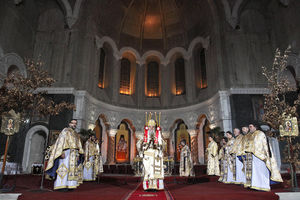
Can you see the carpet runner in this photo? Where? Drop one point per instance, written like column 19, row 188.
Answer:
column 140, row 193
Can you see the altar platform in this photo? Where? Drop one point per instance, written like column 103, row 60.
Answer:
column 128, row 169
column 122, row 186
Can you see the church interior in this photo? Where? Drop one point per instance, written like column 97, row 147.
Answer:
column 190, row 65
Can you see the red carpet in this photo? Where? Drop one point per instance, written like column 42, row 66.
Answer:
column 114, row 187
column 139, row 193
column 217, row 191
column 87, row 191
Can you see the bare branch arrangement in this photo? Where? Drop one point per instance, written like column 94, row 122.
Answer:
column 277, row 107
column 275, row 103
column 21, row 93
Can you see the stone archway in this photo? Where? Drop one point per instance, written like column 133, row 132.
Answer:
column 202, row 138
column 133, row 140
column 34, row 146
column 102, row 127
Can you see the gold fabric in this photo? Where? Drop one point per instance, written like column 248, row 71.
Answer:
column 91, row 148
column 227, row 161
column 67, row 139
column 80, row 174
column 230, row 159
column 212, row 159
column 237, row 147
column 221, row 159
column 260, row 148
column 248, row 143
column 248, row 162
column 186, row 163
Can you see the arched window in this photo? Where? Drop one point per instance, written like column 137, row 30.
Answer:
column 101, row 69
column 125, row 77
column 200, row 69
column 13, row 69
column 153, row 82
column 179, row 76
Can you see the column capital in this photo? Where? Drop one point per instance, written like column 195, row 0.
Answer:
column 192, row 132
column 166, row 134
column 139, row 134
column 112, row 132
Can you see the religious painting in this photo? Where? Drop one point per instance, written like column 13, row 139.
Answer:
column 10, row 123
column 258, row 107
column 289, row 127
column 122, row 144
column 53, row 136
column 180, row 134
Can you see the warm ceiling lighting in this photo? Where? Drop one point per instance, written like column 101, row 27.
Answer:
column 151, row 20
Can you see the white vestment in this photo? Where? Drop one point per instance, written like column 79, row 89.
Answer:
column 62, row 173
column 88, row 170
column 93, row 161
column 260, row 175
column 153, row 170
column 240, row 172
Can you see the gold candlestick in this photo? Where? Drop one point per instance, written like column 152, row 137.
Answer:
column 159, row 118
column 146, row 121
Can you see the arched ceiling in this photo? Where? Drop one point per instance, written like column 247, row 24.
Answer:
column 153, row 24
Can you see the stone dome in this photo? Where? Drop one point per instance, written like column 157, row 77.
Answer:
column 153, row 24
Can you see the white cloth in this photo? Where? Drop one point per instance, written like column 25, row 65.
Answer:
column 260, row 175
column 240, row 172
column 160, row 184
column 88, row 173
column 229, row 176
column 10, row 168
column 62, row 176
column 153, row 170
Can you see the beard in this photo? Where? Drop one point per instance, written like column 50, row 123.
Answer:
column 72, row 127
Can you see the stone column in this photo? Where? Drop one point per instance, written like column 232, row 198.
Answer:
column 166, row 136
column 194, row 145
column 225, row 107
column 201, row 147
column 189, row 80
column 139, row 136
column 111, row 146
column 116, row 80
column 80, row 114
column 200, row 140
column 140, row 83
column 165, row 85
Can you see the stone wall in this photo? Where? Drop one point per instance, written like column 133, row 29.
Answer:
column 18, row 27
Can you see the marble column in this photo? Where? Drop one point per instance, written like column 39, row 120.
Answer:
column 194, row 145
column 111, row 146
